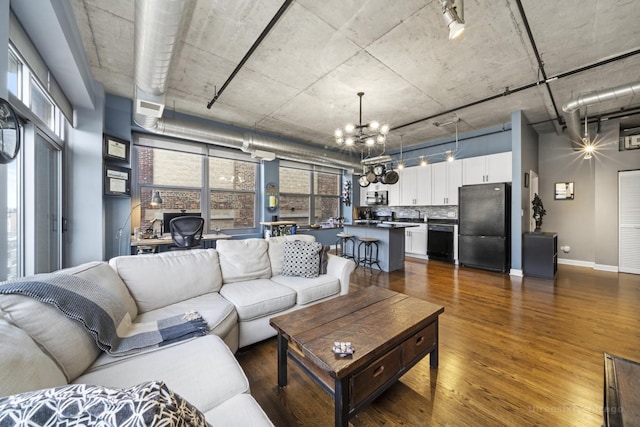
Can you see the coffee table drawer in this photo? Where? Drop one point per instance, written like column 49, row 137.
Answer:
column 418, row 344
column 374, row 376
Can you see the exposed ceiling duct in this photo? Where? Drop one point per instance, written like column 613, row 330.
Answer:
column 249, row 142
column 158, row 26
column 586, row 99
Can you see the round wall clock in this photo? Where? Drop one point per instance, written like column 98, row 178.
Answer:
column 9, row 133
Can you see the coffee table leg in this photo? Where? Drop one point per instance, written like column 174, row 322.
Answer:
column 283, row 345
column 433, row 356
column 341, row 397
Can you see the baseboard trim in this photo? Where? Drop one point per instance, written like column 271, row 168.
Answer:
column 515, row 272
column 602, row 267
column 576, row 262
column 588, row 264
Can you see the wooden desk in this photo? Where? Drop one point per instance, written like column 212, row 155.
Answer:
column 390, row 333
column 208, row 241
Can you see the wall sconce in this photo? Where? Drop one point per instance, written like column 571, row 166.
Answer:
column 271, row 195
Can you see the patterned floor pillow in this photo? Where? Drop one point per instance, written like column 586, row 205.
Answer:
column 145, row 405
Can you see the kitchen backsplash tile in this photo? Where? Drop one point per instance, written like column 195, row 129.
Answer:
column 423, row 211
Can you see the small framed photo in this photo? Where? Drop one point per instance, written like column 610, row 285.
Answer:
column 563, row 191
column 117, row 181
column 116, row 149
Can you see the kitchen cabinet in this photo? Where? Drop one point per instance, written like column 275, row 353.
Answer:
column 446, row 178
column 394, row 194
column 415, row 240
column 485, row 169
column 415, row 186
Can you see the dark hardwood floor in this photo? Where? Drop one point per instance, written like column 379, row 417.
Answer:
column 513, row 351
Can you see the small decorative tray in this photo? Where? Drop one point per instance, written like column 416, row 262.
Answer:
column 343, row 349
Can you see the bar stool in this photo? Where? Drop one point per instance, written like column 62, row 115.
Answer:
column 370, row 243
column 341, row 245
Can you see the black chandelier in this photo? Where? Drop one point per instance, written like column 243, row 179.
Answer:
column 367, row 134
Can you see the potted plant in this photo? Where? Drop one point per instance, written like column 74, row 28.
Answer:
column 538, row 212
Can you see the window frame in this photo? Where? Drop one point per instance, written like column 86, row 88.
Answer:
column 312, row 195
column 206, row 152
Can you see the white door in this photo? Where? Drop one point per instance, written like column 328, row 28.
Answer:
column 47, row 206
column 629, row 221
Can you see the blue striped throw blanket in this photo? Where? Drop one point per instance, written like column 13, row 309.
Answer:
column 103, row 315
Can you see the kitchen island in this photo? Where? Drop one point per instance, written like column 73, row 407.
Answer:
column 390, row 242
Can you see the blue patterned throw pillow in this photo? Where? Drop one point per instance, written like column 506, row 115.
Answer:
column 301, row 259
column 145, row 405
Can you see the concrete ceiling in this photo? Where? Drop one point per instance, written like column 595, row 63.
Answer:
column 302, row 80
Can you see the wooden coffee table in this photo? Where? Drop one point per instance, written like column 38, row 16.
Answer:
column 389, row 331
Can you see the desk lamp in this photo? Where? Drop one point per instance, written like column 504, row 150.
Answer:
column 156, row 200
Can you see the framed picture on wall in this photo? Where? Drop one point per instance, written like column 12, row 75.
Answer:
column 115, row 149
column 117, row 181
column 563, row 191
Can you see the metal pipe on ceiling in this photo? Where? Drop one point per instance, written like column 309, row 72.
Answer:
column 157, row 27
column 572, row 108
column 157, row 30
column 251, row 142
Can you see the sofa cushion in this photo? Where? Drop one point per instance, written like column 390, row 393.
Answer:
column 202, row 371
column 310, row 290
column 242, row 260
column 149, row 404
column 65, row 341
column 301, row 259
column 24, row 366
column 163, row 279
column 241, row 410
column 258, row 298
column 102, row 274
column 276, row 249
column 219, row 313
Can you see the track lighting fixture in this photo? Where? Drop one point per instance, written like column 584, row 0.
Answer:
column 423, row 161
column 454, row 21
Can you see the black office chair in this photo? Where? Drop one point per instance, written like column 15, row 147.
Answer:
column 186, row 232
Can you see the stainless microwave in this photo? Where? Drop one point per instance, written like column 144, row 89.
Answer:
column 377, row 198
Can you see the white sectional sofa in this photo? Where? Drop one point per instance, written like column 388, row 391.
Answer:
column 236, row 288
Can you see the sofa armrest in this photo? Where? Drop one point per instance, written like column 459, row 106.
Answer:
column 342, row 269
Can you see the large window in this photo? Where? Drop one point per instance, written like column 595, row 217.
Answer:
column 192, row 178
column 31, row 204
column 308, row 196
column 14, row 75
column 232, row 194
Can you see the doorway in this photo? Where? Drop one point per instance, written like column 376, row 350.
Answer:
column 629, row 222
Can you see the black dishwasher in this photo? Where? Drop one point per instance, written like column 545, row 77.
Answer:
column 440, row 240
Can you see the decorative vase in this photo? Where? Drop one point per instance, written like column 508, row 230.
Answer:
column 538, row 226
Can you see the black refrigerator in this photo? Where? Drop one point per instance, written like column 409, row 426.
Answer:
column 484, row 239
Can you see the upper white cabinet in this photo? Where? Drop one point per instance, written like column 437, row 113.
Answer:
column 394, row 194
column 446, row 179
column 484, row 169
column 415, row 186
